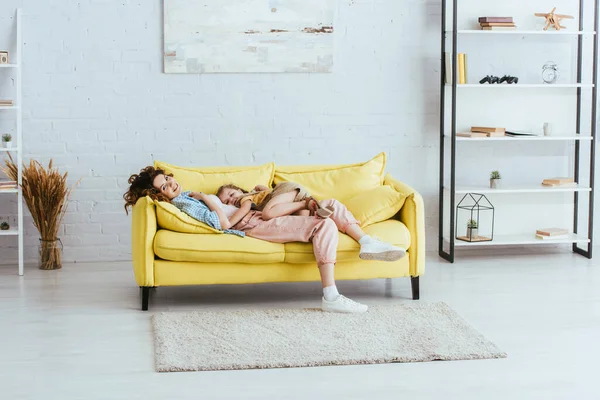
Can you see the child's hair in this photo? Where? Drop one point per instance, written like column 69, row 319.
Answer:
column 141, row 186
column 230, row 186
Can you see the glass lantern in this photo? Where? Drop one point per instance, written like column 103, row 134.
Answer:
column 474, row 219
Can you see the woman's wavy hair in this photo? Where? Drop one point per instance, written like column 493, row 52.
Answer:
column 230, row 186
column 141, row 186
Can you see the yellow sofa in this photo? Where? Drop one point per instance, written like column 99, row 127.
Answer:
column 171, row 249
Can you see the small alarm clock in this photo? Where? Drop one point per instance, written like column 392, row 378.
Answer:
column 550, row 72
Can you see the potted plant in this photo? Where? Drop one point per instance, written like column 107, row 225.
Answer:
column 495, row 180
column 7, row 140
column 472, row 229
column 4, row 226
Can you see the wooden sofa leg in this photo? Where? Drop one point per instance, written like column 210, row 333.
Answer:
column 145, row 297
column 414, row 282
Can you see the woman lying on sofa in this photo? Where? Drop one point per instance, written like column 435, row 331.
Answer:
column 322, row 232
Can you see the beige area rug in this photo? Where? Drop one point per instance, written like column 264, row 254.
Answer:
column 205, row 341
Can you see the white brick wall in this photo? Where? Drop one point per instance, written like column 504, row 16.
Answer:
column 96, row 101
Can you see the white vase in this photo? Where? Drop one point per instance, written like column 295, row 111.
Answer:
column 7, row 145
column 494, row 183
column 472, row 233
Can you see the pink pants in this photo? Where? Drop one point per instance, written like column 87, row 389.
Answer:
column 294, row 228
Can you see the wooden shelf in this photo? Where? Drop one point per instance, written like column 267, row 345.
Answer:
column 520, row 239
column 532, row 188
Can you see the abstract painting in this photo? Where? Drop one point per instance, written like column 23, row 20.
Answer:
column 220, row 36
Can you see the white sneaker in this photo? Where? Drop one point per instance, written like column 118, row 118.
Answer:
column 375, row 249
column 343, row 305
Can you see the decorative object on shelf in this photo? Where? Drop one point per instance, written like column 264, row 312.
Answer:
column 497, row 23
column 490, row 131
column 547, row 129
column 6, row 102
column 550, row 72
column 3, row 57
column 472, row 231
column 46, row 194
column 7, row 140
column 491, row 79
column 552, row 233
column 495, row 180
column 8, row 185
column 520, row 134
column 553, row 19
column 462, row 68
column 559, row 182
column 478, row 212
column 4, row 226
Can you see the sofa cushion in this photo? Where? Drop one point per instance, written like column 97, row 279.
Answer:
column 391, row 231
column 208, row 180
column 376, row 205
column 339, row 182
column 172, row 218
column 216, row 248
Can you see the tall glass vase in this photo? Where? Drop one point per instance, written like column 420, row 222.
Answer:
column 50, row 254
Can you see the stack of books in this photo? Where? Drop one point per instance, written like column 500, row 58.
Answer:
column 6, row 103
column 497, row 23
column 559, row 182
column 552, row 233
column 483, row 131
column 5, row 185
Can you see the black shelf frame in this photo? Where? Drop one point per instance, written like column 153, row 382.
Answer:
column 450, row 254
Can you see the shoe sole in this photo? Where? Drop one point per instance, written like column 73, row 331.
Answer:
column 393, row 255
column 345, row 312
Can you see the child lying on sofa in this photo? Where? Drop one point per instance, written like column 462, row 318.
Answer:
column 322, row 233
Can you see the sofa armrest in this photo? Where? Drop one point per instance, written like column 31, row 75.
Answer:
column 143, row 230
column 412, row 215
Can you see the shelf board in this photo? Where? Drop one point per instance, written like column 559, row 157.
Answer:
column 10, row 232
column 531, row 188
column 9, row 66
column 9, row 107
column 521, row 139
column 520, row 239
column 10, row 149
column 9, row 190
column 524, row 86
column 523, row 32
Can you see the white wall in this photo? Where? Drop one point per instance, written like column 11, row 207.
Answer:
column 97, row 102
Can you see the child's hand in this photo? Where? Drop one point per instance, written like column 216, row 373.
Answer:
column 260, row 188
column 197, row 195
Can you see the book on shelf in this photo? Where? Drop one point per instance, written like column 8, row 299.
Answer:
column 484, row 24
column 499, row 28
column 565, row 185
column 495, row 19
column 6, row 102
column 462, row 76
column 552, row 231
column 448, row 68
column 521, row 134
column 558, row 180
column 471, row 134
column 488, row 129
column 552, row 237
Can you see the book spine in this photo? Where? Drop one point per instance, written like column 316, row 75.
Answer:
column 495, row 19
column 461, row 68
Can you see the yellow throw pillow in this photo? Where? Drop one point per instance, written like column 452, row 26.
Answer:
column 335, row 181
column 208, row 180
column 376, row 205
column 172, row 218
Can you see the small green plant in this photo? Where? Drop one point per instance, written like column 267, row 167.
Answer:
column 4, row 226
column 472, row 224
column 6, row 137
column 495, row 175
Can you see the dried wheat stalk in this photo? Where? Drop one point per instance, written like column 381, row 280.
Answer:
column 46, row 194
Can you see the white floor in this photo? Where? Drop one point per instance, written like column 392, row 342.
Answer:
column 78, row 333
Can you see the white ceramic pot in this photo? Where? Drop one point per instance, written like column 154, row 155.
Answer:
column 494, row 183
column 472, row 233
column 7, row 145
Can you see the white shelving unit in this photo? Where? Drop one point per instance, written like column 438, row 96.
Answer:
column 462, row 105
column 18, row 116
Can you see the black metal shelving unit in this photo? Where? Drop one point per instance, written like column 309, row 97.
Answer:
column 449, row 253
